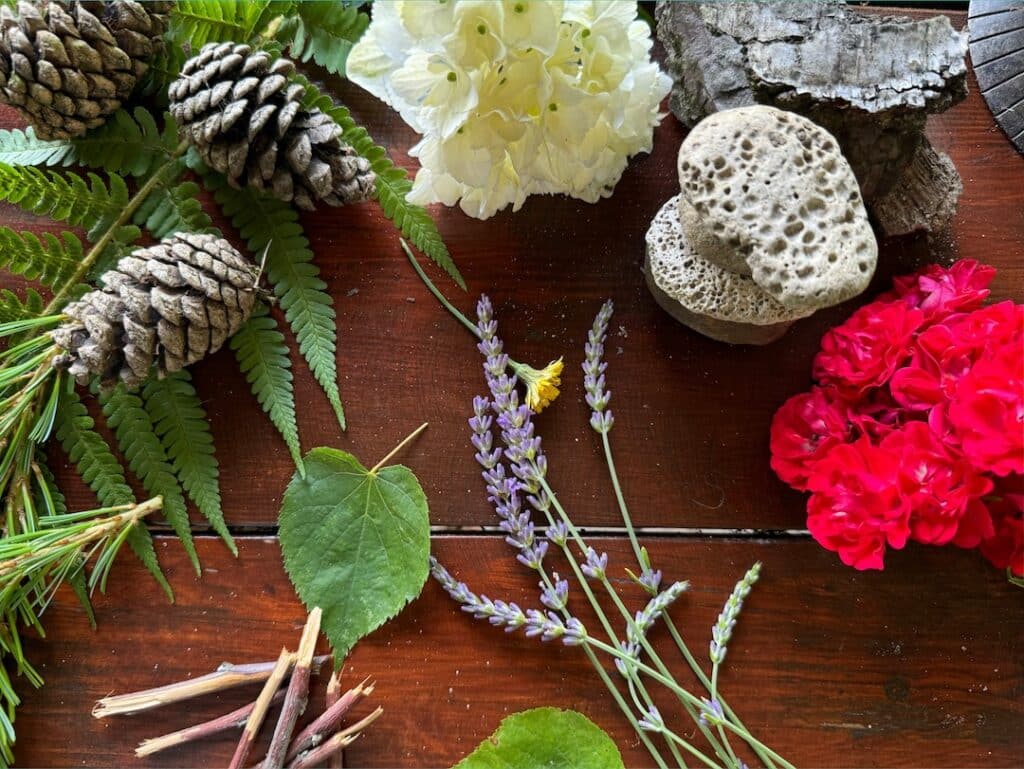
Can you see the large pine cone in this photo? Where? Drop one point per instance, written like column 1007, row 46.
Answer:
column 237, row 108
column 163, row 307
column 66, row 65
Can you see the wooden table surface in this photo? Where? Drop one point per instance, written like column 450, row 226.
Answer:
column 919, row 665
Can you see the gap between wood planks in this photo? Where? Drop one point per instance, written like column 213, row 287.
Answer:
column 654, row 532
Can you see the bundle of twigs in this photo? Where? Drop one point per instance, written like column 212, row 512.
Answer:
column 320, row 742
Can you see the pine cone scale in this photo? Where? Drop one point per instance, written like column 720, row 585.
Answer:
column 162, row 308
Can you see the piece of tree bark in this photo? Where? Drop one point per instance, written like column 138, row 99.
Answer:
column 870, row 81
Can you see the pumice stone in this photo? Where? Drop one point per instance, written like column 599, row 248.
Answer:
column 768, row 228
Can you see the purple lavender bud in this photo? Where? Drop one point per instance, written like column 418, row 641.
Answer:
column 712, row 713
column 540, row 502
column 575, row 633
column 558, row 533
column 652, row 720
column 557, row 597
column 596, row 564
column 650, row 580
column 602, row 421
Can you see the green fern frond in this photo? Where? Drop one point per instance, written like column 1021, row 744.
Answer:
column 139, row 443
column 51, row 261
column 129, row 143
column 120, row 244
column 323, row 32
column 24, row 148
column 393, row 184
column 13, row 308
column 263, row 357
column 180, row 421
column 68, row 197
column 173, row 209
column 99, row 468
column 307, row 307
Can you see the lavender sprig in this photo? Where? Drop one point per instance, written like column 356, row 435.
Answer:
column 594, row 366
column 722, row 630
column 548, row 625
column 645, row 620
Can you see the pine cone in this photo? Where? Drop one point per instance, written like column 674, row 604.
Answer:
column 66, row 65
column 162, row 307
column 237, row 108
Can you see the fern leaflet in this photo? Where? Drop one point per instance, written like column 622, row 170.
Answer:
column 24, row 148
column 99, row 468
column 173, row 209
column 264, row 221
column 65, row 197
column 51, row 261
column 263, row 357
column 180, row 421
column 323, row 32
column 393, row 183
column 138, row 440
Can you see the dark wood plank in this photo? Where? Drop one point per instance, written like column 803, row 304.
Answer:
column 692, row 414
column 917, row 666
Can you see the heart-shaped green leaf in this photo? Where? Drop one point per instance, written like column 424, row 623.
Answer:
column 548, row 737
column 355, row 542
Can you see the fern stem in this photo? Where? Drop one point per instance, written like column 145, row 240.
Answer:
column 437, row 292
column 126, row 215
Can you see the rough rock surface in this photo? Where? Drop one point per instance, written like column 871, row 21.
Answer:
column 781, row 202
column 870, row 81
column 718, row 303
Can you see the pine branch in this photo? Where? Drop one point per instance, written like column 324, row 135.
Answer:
column 101, row 470
column 50, row 261
column 323, row 32
column 146, row 457
column 263, row 357
column 181, row 423
column 13, row 308
column 393, row 183
column 268, row 223
column 65, row 197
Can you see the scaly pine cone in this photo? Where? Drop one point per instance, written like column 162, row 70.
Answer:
column 236, row 107
column 163, row 307
column 66, row 66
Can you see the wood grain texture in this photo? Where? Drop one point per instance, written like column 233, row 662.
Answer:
column 692, row 415
column 918, row 666
column 921, row 665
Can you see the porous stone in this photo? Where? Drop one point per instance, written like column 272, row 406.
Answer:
column 871, row 81
column 767, row 193
column 715, row 302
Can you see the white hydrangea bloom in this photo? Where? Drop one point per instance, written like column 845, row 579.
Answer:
column 514, row 97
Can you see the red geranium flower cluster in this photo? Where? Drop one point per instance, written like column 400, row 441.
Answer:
column 915, row 428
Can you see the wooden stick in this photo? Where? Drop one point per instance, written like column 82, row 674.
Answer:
column 234, row 720
column 337, row 761
column 329, row 721
column 339, row 741
column 298, row 693
column 260, row 707
column 225, row 677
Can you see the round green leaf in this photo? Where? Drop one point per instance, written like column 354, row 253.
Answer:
column 355, row 543
column 545, row 737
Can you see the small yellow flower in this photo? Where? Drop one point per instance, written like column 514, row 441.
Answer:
column 542, row 385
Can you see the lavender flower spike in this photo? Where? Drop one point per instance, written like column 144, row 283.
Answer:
column 549, row 626
column 594, row 367
column 722, row 630
column 596, row 566
column 645, row 620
